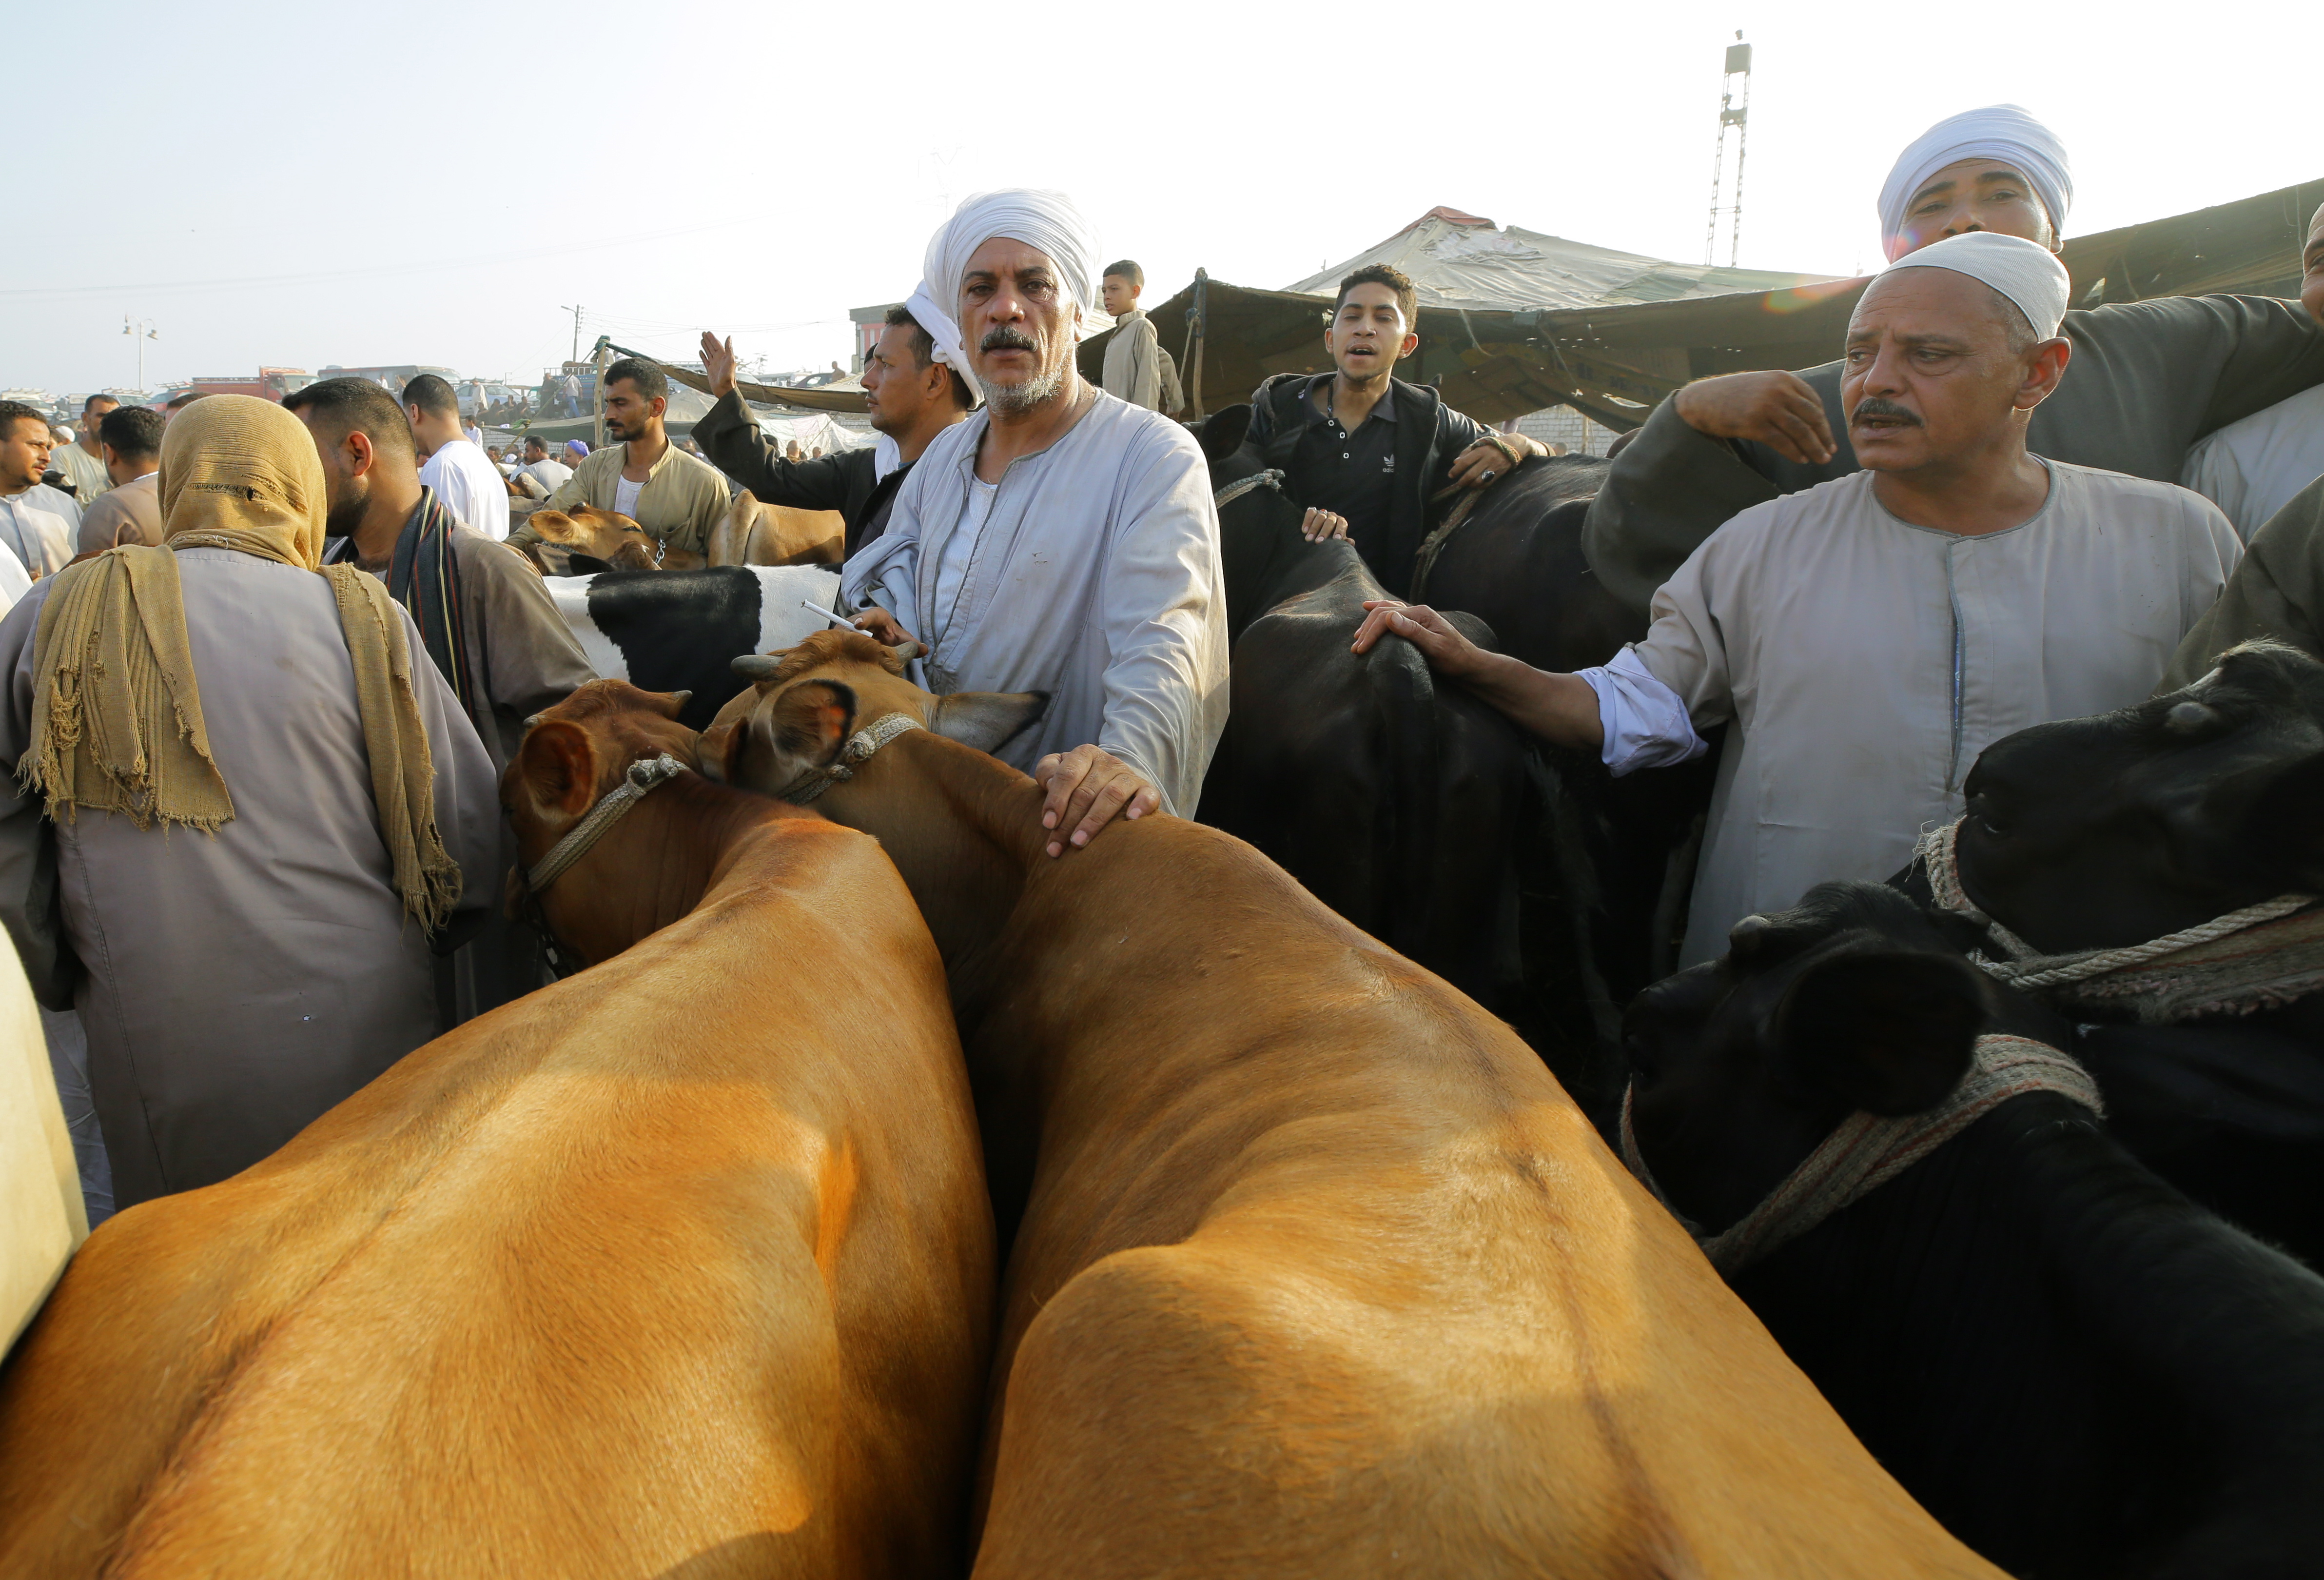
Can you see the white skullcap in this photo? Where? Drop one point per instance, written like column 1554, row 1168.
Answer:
column 1046, row 221
column 2027, row 273
column 2003, row 133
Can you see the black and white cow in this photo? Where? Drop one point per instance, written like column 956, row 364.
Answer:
column 680, row 630
column 2079, row 1370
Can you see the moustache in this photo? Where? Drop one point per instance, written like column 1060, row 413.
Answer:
column 1008, row 339
column 1874, row 406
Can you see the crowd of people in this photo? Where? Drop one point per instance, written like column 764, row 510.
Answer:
column 313, row 652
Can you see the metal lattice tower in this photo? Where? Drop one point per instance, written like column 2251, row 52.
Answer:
column 1734, row 110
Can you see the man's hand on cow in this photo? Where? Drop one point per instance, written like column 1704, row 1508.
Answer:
column 1086, row 789
column 882, row 627
column 1777, row 410
column 1485, row 462
column 1319, row 524
column 1448, row 653
column 718, row 364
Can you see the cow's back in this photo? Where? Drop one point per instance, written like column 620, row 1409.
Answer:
column 1319, row 1249
column 680, row 1264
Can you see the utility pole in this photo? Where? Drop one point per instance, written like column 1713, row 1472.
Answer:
column 1734, row 110
column 141, row 331
column 576, row 333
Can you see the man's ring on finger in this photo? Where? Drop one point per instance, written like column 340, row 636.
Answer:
column 1486, row 476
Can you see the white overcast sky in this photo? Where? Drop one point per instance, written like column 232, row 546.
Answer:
column 298, row 185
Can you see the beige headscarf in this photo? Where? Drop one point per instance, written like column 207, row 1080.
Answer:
column 116, row 714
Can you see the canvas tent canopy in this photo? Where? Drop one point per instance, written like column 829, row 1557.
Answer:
column 1614, row 359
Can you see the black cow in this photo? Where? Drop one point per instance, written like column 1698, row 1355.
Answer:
column 1618, row 854
column 1393, row 801
column 680, row 630
column 2097, row 833
column 2076, row 1369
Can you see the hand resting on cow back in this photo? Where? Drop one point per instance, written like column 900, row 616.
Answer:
column 1562, row 709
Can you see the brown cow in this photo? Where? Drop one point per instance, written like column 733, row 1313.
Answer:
column 778, row 534
column 682, row 1266
column 608, row 536
column 1319, row 1274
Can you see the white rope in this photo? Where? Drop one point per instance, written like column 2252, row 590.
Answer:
column 860, row 747
column 643, row 776
column 2029, row 968
column 1865, row 1152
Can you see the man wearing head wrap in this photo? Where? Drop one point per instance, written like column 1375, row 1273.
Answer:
column 1060, row 540
column 2151, row 378
column 243, row 803
column 1867, row 638
column 2277, row 592
column 911, row 396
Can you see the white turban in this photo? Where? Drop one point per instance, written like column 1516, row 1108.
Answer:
column 1046, row 221
column 2027, row 273
column 2003, row 133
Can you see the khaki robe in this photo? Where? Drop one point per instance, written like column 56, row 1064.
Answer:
column 234, row 986
column 131, row 513
column 683, row 501
column 1865, row 662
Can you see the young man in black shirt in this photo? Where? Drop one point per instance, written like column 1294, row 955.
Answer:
column 1366, row 453
column 911, row 396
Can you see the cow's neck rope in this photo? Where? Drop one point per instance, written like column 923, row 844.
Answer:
column 1271, row 478
column 644, row 775
column 858, row 749
column 2027, row 967
column 1865, row 1152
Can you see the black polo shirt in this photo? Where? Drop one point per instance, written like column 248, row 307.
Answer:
column 1348, row 473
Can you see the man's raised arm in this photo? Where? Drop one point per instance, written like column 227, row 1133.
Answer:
column 730, row 437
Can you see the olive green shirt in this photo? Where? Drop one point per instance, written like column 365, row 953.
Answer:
column 682, row 503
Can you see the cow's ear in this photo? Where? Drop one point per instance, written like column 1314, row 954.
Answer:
column 1889, row 1033
column 719, row 750
column 801, row 728
column 986, row 720
column 554, row 526
column 1223, row 431
column 558, row 765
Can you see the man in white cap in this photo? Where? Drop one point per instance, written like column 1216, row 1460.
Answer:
column 1869, row 636
column 2155, row 375
column 1060, row 540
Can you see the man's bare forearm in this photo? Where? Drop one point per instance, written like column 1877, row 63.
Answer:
column 1562, row 709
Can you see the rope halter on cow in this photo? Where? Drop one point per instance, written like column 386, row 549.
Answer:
column 1271, row 478
column 2262, row 956
column 644, row 776
column 1865, row 1152
column 858, row 749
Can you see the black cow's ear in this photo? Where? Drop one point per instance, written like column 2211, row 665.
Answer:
column 1222, row 432
column 1887, row 1033
column 986, row 720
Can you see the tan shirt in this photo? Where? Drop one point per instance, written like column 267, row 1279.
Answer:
column 131, row 513
column 1866, row 662
column 682, row 503
column 1133, row 365
column 91, row 480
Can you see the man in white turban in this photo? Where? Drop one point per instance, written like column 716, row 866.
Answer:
column 2156, row 375
column 1059, row 539
column 1867, row 638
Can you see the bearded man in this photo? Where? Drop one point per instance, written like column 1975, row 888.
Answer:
column 1869, row 636
column 1060, row 540
column 2151, row 378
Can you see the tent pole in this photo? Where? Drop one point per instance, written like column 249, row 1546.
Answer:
column 1196, row 325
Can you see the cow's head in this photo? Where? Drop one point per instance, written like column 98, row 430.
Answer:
column 1258, row 529
column 609, row 538
column 2095, row 833
column 574, row 754
column 806, row 701
column 1855, row 999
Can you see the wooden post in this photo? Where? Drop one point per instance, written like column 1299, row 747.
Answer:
column 1196, row 327
column 598, row 443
